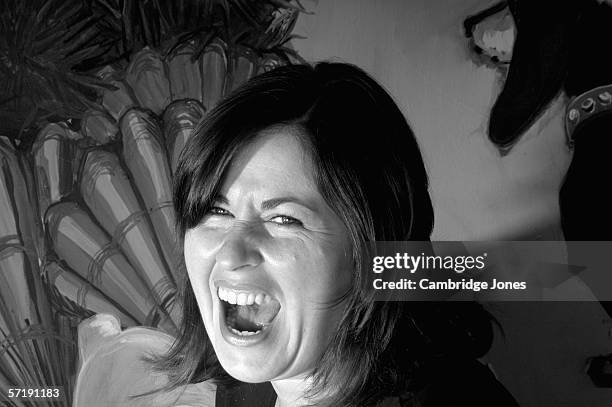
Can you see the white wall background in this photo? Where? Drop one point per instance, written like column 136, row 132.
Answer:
column 417, row 50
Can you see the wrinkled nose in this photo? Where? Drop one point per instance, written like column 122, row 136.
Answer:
column 240, row 249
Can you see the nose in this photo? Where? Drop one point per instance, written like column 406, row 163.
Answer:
column 240, row 249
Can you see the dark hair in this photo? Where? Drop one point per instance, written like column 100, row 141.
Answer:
column 369, row 169
column 561, row 46
column 558, row 48
column 584, row 200
column 585, row 209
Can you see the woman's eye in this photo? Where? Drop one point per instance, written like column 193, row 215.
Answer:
column 286, row 220
column 215, row 210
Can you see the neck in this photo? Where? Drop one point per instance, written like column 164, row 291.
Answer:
column 291, row 392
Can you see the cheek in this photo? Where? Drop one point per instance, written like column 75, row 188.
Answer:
column 199, row 249
column 330, row 278
column 310, row 270
column 199, row 261
column 336, row 261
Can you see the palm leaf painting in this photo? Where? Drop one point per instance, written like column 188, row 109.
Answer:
column 97, row 99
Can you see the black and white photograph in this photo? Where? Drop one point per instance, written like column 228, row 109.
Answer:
column 305, row 203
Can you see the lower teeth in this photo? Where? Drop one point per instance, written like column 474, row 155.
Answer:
column 244, row 333
column 240, row 320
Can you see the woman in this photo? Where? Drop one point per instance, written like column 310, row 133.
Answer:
column 277, row 194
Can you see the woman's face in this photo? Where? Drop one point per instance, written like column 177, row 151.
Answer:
column 267, row 261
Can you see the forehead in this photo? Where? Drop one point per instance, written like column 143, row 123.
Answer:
column 276, row 161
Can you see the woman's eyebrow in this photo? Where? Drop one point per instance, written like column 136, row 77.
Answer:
column 219, row 198
column 274, row 202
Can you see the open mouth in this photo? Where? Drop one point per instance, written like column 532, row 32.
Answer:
column 247, row 313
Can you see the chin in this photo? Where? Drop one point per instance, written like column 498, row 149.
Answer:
column 249, row 376
column 246, row 370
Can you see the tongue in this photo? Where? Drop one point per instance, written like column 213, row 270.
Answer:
column 252, row 317
column 258, row 314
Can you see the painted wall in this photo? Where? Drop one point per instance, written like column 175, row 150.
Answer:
column 417, row 50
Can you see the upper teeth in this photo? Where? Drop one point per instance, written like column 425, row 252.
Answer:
column 242, row 297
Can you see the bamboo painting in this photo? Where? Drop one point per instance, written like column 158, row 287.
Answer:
column 87, row 153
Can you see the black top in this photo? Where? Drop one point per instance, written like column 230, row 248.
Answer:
column 246, row 395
